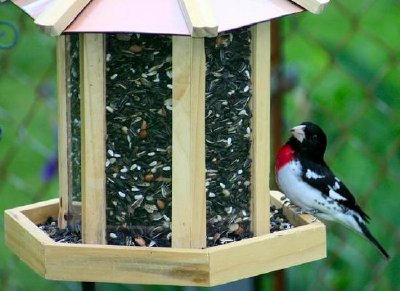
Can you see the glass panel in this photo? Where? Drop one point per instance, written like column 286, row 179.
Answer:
column 228, row 133
column 139, row 139
column 74, row 130
column 74, row 95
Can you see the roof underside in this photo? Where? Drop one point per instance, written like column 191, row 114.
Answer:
column 162, row 16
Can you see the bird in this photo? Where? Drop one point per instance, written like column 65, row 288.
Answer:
column 307, row 181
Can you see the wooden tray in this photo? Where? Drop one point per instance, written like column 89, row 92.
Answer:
column 166, row 266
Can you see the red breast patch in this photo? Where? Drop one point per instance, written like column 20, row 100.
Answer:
column 284, row 156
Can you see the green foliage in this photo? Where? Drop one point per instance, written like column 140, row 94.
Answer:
column 349, row 67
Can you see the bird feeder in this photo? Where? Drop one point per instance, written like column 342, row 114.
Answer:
column 163, row 145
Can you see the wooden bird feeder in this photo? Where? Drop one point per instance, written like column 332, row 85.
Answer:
column 163, row 145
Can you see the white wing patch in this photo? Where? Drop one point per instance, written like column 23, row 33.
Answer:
column 312, row 175
column 335, row 195
column 336, row 186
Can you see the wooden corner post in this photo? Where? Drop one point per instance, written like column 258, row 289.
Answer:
column 93, row 130
column 188, row 143
column 64, row 132
column 260, row 149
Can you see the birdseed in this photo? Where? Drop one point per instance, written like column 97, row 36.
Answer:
column 278, row 222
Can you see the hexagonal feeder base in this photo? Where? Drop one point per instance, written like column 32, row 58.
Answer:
column 167, row 266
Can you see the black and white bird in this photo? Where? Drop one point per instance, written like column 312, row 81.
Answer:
column 306, row 180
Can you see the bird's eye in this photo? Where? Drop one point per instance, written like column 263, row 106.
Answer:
column 314, row 137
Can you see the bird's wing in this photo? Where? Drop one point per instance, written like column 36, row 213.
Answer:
column 319, row 176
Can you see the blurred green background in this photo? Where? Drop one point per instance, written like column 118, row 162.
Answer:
column 343, row 68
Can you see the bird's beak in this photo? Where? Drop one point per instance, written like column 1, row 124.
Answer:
column 298, row 132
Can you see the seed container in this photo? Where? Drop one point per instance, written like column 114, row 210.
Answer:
column 163, row 147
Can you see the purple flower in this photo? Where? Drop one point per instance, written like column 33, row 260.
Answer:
column 50, row 168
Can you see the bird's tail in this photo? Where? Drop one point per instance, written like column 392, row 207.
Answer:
column 372, row 239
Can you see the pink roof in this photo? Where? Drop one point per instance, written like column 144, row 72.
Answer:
column 162, row 16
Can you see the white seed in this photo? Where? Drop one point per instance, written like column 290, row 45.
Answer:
column 222, row 185
column 113, row 76
column 152, row 164
column 168, row 103
column 225, row 240
column 121, row 194
column 243, row 112
column 226, row 192
column 233, row 227
column 113, row 235
column 110, row 152
column 240, row 171
column 124, row 170
column 166, row 168
column 211, row 195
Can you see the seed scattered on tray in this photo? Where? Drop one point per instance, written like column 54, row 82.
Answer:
column 278, row 222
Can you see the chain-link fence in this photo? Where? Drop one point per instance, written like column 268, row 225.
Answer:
column 340, row 69
column 347, row 66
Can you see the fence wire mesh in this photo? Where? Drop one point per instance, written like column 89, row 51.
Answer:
column 343, row 68
column 347, row 66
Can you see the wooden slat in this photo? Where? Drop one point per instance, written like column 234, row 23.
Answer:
column 314, row 6
column 132, row 265
column 260, row 148
column 59, row 15
column 64, row 122
column 199, row 17
column 39, row 212
column 267, row 253
column 291, row 212
column 188, row 143
column 93, row 130
column 23, row 237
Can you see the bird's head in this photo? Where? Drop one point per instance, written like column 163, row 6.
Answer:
column 309, row 140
